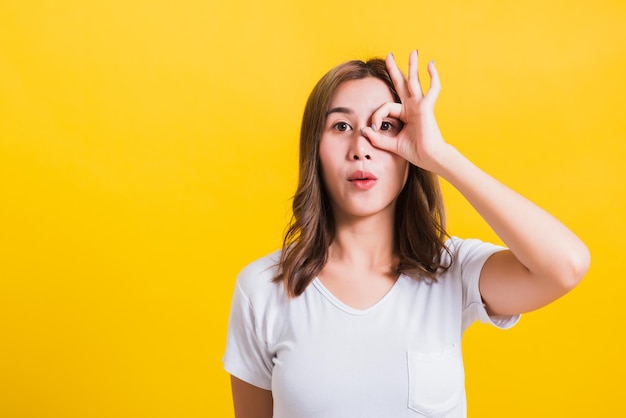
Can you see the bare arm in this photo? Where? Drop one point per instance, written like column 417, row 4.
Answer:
column 545, row 259
column 251, row 401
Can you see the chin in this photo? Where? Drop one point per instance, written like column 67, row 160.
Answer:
column 369, row 211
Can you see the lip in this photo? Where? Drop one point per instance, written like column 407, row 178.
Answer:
column 362, row 175
column 362, row 180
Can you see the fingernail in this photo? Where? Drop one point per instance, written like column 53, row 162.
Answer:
column 374, row 128
column 363, row 131
column 391, row 55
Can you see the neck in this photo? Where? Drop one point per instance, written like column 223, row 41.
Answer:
column 365, row 242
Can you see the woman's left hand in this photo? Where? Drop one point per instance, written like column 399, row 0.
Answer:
column 420, row 142
column 545, row 259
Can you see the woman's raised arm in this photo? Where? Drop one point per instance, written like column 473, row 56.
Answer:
column 545, row 259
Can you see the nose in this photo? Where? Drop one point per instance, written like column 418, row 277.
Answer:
column 357, row 157
column 361, row 148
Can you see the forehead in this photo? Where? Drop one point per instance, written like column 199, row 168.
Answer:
column 368, row 92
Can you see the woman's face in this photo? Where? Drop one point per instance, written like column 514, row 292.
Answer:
column 361, row 180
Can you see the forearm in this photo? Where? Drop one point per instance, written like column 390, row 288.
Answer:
column 546, row 247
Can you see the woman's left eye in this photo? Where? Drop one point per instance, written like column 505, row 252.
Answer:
column 392, row 128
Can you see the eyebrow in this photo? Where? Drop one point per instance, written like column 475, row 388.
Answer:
column 340, row 110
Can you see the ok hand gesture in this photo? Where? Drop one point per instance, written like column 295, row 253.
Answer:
column 420, row 141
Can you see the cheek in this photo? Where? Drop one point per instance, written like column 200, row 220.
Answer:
column 324, row 151
column 402, row 170
column 330, row 156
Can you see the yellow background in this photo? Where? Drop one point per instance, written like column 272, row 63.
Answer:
column 148, row 152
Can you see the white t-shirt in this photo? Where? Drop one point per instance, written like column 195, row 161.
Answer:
column 323, row 359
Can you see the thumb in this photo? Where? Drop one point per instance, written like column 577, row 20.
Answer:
column 379, row 140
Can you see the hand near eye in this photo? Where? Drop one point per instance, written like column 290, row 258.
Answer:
column 420, row 141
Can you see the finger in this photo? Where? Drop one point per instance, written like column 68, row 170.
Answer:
column 398, row 79
column 392, row 109
column 415, row 87
column 380, row 141
column 435, row 84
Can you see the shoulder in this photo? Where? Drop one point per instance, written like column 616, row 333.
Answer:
column 256, row 280
column 462, row 250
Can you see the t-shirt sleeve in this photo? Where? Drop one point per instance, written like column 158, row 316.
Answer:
column 471, row 256
column 246, row 356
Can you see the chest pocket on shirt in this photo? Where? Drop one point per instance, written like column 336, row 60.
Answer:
column 437, row 382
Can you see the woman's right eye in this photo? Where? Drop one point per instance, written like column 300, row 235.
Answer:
column 341, row 126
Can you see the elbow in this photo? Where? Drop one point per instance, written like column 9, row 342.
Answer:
column 578, row 263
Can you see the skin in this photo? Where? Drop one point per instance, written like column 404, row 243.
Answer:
column 545, row 260
column 251, row 401
column 343, row 150
column 359, row 275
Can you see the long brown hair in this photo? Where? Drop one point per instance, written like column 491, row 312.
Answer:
column 419, row 216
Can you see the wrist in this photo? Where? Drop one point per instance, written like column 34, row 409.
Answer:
column 445, row 160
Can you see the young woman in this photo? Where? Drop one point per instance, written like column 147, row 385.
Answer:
column 362, row 312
